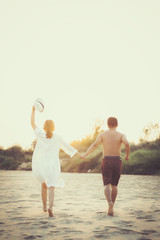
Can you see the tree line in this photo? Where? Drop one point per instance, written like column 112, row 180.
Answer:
column 144, row 156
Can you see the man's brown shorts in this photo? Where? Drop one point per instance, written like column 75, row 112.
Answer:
column 111, row 170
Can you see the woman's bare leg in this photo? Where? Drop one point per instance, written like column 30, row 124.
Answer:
column 44, row 196
column 51, row 201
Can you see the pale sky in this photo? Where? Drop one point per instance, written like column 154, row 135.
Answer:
column 87, row 59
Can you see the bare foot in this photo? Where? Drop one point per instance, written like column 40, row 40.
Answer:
column 50, row 212
column 110, row 208
column 45, row 208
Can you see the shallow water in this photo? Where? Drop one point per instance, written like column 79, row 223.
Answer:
column 80, row 209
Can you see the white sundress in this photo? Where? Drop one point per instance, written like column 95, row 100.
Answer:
column 45, row 161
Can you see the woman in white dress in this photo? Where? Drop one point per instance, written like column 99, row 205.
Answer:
column 45, row 160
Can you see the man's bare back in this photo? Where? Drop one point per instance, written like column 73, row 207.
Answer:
column 112, row 141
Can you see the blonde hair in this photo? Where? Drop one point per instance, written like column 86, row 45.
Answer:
column 49, row 128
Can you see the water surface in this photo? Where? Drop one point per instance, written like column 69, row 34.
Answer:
column 80, row 209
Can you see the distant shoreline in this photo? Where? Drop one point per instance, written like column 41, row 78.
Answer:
column 29, row 170
column 144, row 159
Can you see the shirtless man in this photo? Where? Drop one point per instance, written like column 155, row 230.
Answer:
column 111, row 164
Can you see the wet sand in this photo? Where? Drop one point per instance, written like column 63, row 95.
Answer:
column 80, row 209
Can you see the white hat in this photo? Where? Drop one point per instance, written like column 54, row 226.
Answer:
column 39, row 104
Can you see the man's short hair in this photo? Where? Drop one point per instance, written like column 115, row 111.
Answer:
column 112, row 122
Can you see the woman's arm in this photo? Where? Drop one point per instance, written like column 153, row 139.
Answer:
column 67, row 148
column 33, row 118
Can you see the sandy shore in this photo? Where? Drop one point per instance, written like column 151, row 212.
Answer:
column 80, row 209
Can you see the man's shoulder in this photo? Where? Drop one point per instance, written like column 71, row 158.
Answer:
column 108, row 132
column 100, row 135
column 103, row 134
column 122, row 134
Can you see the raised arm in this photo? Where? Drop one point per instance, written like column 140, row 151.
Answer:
column 127, row 147
column 93, row 146
column 33, row 118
